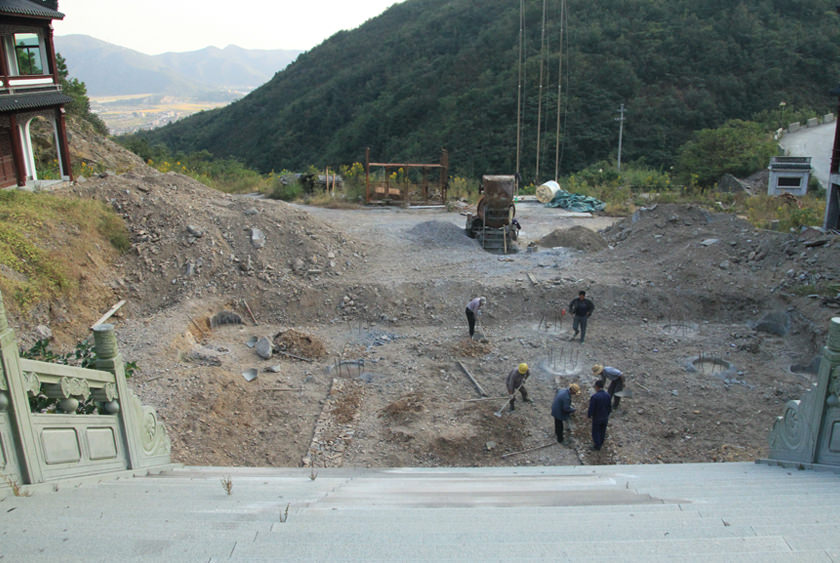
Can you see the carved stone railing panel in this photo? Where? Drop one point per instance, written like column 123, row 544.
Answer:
column 70, row 384
column 153, row 435
column 31, row 383
column 74, row 387
column 791, row 436
column 808, row 432
column 834, row 388
column 126, row 435
column 106, row 393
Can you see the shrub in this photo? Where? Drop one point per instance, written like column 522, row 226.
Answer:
column 463, row 188
column 286, row 189
column 354, row 181
column 783, row 213
column 738, row 147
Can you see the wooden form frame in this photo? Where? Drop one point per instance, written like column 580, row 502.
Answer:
column 407, row 194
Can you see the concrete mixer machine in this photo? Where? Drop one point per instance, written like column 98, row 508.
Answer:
column 494, row 224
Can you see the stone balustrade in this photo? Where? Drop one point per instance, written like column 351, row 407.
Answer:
column 38, row 447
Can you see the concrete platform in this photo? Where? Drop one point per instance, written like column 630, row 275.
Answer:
column 691, row 512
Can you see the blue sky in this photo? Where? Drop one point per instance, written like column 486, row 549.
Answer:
column 158, row 26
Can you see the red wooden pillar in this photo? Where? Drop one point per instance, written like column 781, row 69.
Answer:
column 17, row 149
column 48, row 41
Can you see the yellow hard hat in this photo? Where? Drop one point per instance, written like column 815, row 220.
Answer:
column 597, row 369
column 574, row 388
column 523, row 368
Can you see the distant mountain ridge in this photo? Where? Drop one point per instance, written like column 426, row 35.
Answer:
column 111, row 70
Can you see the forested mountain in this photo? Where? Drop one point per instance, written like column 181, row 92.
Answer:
column 428, row 74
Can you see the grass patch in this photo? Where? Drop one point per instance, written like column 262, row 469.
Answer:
column 44, row 242
column 823, row 289
column 783, row 213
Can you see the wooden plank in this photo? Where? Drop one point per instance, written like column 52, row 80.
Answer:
column 195, row 324
column 529, row 450
column 532, row 278
column 247, row 308
column 293, row 356
column 107, row 315
column 477, row 386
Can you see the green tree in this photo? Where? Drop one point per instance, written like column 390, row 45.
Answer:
column 738, row 147
column 445, row 73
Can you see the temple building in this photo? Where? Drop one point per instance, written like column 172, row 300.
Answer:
column 31, row 101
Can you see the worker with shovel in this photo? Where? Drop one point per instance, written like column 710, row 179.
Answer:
column 562, row 409
column 616, row 378
column 516, row 380
column 473, row 311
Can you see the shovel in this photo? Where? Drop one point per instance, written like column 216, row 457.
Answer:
column 498, row 413
column 625, row 393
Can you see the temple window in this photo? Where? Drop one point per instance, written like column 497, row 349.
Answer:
column 28, row 54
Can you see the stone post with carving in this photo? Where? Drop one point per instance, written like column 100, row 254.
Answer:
column 108, row 358
column 147, row 441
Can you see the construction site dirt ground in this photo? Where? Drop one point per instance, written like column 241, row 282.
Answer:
column 715, row 324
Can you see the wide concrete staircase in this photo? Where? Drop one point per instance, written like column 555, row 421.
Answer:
column 692, row 512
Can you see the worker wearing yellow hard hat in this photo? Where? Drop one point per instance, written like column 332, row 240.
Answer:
column 516, row 381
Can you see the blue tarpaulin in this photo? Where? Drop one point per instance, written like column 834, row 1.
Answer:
column 576, row 202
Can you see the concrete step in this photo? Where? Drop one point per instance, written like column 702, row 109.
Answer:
column 743, row 512
column 514, row 548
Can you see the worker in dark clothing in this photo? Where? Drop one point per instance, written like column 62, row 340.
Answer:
column 473, row 311
column 582, row 309
column 562, row 409
column 599, row 412
column 616, row 378
column 516, row 380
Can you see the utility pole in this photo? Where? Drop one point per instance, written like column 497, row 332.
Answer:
column 620, row 120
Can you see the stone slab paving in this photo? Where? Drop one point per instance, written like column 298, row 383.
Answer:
column 689, row 512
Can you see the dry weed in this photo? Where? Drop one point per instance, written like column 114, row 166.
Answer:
column 15, row 486
column 227, row 484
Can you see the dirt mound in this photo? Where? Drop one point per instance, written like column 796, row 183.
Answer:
column 577, row 237
column 695, row 250
column 190, row 241
column 300, row 344
column 469, row 348
column 439, row 233
column 405, row 407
